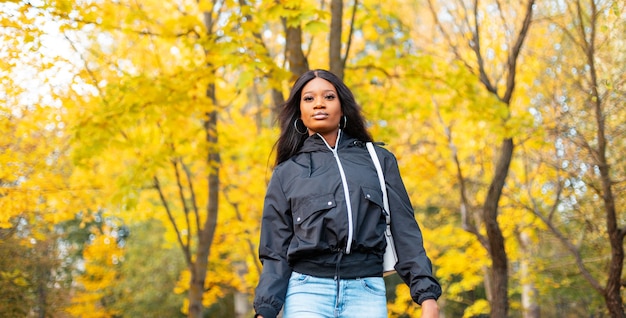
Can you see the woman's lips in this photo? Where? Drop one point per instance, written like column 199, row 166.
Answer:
column 320, row 115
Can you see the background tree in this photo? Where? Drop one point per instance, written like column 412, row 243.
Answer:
column 143, row 50
column 148, row 273
column 579, row 103
column 35, row 274
column 462, row 27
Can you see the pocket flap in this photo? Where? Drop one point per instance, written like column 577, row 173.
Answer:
column 373, row 195
column 312, row 205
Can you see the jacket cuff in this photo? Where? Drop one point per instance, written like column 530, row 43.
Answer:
column 425, row 297
column 266, row 312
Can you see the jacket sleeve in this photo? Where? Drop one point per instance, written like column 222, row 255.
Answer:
column 276, row 234
column 414, row 266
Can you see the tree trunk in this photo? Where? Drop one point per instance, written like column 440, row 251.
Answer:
column 487, row 283
column 499, row 268
column 206, row 233
column 279, row 101
column 336, row 23
column 612, row 297
column 195, row 294
column 612, row 294
column 41, row 291
column 298, row 63
column 242, row 305
column 530, row 308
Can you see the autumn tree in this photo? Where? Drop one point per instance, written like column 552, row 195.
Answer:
column 579, row 104
column 35, row 167
column 155, row 79
column 491, row 54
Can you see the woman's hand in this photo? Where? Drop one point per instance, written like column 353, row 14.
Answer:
column 430, row 309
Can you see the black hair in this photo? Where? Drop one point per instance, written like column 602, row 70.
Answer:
column 290, row 140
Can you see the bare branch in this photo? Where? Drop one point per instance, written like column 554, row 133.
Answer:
column 515, row 51
column 501, row 11
column 465, row 207
column 185, row 248
column 451, row 44
column 350, row 33
column 91, row 73
column 194, row 201
column 249, row 243
column 181, row 195
column 482, row 73
column 570, row 246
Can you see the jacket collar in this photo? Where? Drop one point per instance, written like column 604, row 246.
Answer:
column 315, row 143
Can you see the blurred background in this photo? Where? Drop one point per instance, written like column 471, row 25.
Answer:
column 137, row 141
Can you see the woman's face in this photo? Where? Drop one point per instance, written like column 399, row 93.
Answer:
column 320, row 109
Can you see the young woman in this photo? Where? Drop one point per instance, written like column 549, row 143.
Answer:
column 322, row 233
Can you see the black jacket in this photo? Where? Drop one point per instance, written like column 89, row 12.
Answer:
column 306, row 226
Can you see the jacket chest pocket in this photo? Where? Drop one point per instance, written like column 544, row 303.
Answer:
column 374, row 196
column 311, row 209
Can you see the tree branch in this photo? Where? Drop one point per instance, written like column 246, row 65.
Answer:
column 448, row 39
column 515, row 51
column 570, row 246
column 465, row 207
column 249, row 243
column 350, row 33
column 181, row 195
column 194, row 201
column 482, row 73
column 185, row 248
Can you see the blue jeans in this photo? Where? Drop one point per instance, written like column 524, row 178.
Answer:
column 314, row 297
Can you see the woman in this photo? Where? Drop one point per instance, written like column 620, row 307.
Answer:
column 322, row 240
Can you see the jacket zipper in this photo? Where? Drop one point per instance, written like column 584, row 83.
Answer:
column 344, row 182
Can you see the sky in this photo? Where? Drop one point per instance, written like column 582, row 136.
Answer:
column 40, row 62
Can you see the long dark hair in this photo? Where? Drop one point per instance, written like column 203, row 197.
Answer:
column 290, row 140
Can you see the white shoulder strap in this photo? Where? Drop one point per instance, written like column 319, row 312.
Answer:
column 381, row 178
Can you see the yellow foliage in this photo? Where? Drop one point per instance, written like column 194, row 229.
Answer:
column 85, row 305
column 101, row 259
column 479, row 307
column 403, row 306
column 182, row 285
column 15, row 277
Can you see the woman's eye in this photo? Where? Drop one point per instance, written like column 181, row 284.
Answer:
column 330, row 97
column 307, row 98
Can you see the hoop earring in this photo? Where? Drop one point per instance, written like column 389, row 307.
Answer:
column 295, row 125
column 345, row 122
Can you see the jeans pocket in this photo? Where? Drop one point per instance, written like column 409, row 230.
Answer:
column 298, row 279
column 374, row 285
